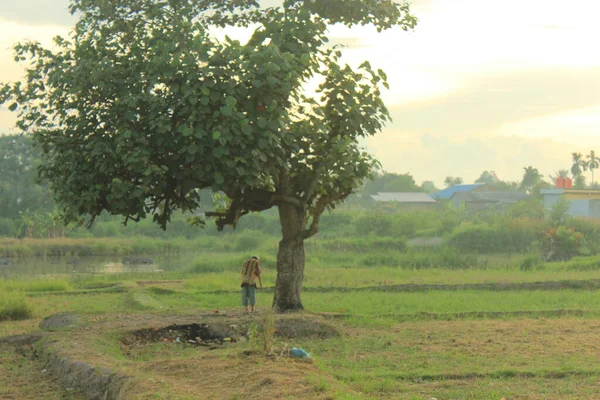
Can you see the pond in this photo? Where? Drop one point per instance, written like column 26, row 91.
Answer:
column 35, row 266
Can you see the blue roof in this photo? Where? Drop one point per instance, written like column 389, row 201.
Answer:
column 447, row 193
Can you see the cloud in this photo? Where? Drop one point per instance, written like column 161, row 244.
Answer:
column 488, row 104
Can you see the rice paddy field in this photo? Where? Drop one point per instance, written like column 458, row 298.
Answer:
column 488, row 329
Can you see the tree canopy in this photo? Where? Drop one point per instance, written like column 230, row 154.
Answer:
column 142, row 107
column 391, row 182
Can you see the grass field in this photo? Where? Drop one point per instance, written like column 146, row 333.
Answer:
column 404, row 342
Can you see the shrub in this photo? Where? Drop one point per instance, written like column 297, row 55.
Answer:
column 8, row 227
column 590, row 229
column 531, row 262
column 560, row 243
column 513, row 236
column 14, row 306
column 380, row 260
column 445, row 257
column 249, row 240
column 448, row 224
column 583, row 263
column 365, row 245
column 378, row 224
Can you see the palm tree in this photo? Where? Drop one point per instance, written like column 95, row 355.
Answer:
column 592, row 163
column 579, row 164
column 531, row 177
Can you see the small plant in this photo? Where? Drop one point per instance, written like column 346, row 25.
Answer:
column 253, row 331
column 268, row 331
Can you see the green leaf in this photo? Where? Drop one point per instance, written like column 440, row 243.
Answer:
column 226, row 111
column 13, row 106
column 216, row 135
column 305, row 58
column 256, row 83
column 130, row 115
column 230, row 101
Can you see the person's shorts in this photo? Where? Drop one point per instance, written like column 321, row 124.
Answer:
column 248, row 295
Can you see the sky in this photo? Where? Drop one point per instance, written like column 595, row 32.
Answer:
column 478, row 85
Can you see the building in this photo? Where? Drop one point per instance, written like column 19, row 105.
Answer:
column 447, row 193
column 486, row 201
column 582, row 202
column 406, row 199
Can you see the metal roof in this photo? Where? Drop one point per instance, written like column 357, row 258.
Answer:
column 403, row 197
column 449, row 192
column 486, row 197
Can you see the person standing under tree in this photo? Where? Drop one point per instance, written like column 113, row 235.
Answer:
column 251, row 272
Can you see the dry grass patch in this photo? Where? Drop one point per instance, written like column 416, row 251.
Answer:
column 180, row 370
column 21, row 378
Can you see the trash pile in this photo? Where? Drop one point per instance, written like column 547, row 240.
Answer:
column 192, row 334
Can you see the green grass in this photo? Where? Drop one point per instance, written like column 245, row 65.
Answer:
column 141, row 300
column 55, row 284
column 14, row 306
column 362, row 277
column 391, row 347
column 377, row 303
column 99, row 303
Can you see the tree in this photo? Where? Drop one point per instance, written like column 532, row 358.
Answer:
column 429, row 187
column 592, row 163
column 531, row 178
column 579, row 165
column 19, row 191
column 141, row 108
column 390, row 182
column 579, row 182
column 488, row 177
column 452, row 181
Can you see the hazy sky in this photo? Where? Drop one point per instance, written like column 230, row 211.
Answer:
column 479, row 85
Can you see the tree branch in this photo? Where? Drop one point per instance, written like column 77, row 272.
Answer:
column 279, row 198
column 320, row 207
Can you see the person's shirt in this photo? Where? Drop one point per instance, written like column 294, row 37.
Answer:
column 250, row 272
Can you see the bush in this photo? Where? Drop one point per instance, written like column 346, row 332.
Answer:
column 14, row 306
column 365, row 245
column 380, row 260
column 531, row 262
column 378, row 224
column 8, row 227
column 557, row 244
column 448, row 224
column 248, row 241
column 590, row 228
column 445, row 258
column 513, row 236
column 583, row 263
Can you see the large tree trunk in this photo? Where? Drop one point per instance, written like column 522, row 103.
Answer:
column 290, row 261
